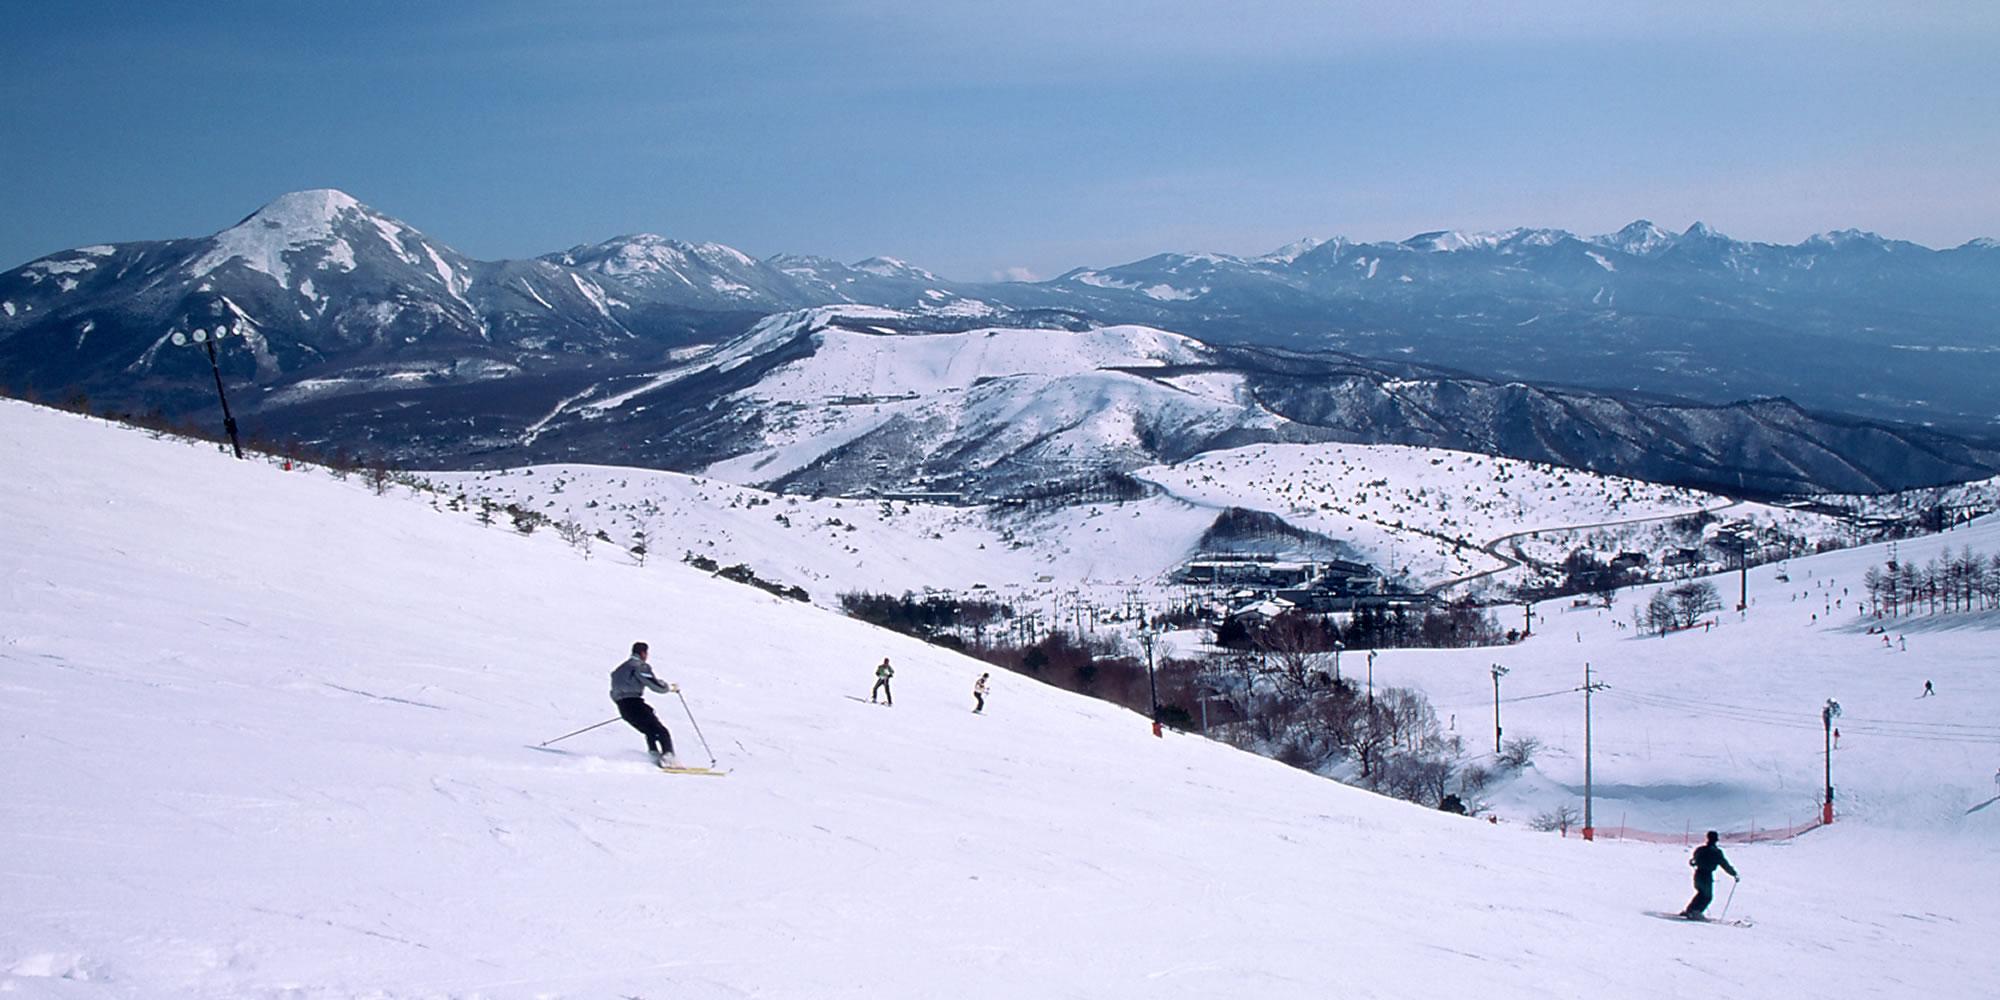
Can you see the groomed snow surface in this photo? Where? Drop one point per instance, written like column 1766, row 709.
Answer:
column 269, row 736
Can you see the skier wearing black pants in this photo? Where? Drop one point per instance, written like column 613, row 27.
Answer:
column 882, row 675
column 628, row 691
column 1707, row 858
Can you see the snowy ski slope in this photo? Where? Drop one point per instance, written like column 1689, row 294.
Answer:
column 267, row 735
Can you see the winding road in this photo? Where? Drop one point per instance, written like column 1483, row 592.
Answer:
column 1508, row 562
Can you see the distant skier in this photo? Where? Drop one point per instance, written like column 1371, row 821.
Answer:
column 1928, row 690
column 979, row 694
column 882, row 675
column 1707, row 858
column 628, row 691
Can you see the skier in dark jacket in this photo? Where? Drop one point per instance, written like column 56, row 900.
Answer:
column 1707, row 858
column 628, row 691
column 882, row 675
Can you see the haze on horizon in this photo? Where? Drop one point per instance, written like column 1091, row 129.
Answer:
column 1021, row 141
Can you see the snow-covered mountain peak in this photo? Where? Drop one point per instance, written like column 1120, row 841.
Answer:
column 301, row 211
column 1292, row 251
column 1700, row 242
column 1442, row 241
column 1844, row 238
column 890, row 267
column 1700, row 231
column 1640, row 238
column 324, row 219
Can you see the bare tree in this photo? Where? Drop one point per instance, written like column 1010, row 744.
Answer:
column 1693, row 600
column 1297, row 649
column 1560, row 818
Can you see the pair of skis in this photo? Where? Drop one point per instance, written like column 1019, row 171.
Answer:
column 1663, row 915
column 692, row 770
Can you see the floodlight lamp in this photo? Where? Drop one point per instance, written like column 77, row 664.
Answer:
column 180, row 339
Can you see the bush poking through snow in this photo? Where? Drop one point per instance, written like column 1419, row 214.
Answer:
column 1518, row 753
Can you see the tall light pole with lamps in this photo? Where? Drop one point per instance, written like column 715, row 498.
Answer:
column 1148, row 639
column 207, row 338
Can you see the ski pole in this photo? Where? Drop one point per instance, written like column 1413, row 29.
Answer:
column 696, row 725
column 585, row 729
column 1733, row 883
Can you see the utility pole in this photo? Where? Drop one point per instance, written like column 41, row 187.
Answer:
column 1743, row 574
column 1371, row 687
column 1527, row 618
column 1742, row 545
column 1826, row 716
column 1589, row 827
column 1498, row 672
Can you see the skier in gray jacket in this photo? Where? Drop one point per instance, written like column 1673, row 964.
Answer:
column 628, row 691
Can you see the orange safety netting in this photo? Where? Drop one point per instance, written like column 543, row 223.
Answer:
column 1691, row 836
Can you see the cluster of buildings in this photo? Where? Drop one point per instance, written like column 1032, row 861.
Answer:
column 1267, row 586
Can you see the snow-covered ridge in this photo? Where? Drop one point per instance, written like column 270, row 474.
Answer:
column 995, row 397
column 366, row 285
column 1450, row 242
column 648, row 254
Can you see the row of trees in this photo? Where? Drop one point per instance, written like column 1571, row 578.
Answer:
column 1458, row 625
column 940, row 619
column 1967, row 581
column 1280, row 694
column 1282, row 705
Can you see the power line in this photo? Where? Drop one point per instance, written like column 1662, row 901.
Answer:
column 1970, row 734
column 1926, row 732
column 1507, row 701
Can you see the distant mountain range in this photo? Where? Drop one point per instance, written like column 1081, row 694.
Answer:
column 359, row 331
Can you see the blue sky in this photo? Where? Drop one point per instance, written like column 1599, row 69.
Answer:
column 1018, row 139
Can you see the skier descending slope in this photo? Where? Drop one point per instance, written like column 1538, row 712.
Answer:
column 1707, row 858
column 628, row 691
column 882, row 675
